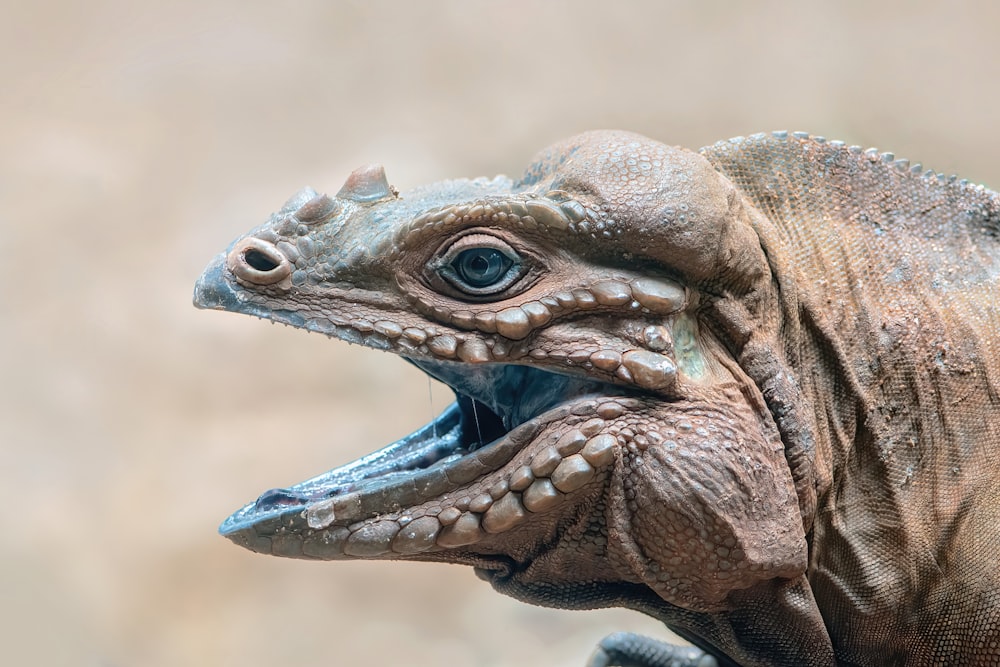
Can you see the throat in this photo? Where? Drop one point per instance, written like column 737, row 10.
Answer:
column 501, row 397
column 480, row 424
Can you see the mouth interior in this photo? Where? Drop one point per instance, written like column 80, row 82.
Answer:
column 491, row 401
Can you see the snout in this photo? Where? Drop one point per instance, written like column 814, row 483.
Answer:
column 213, row 291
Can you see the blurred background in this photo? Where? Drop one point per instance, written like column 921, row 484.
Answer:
column 138, row 139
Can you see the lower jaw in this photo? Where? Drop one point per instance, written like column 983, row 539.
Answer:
column 450, row 505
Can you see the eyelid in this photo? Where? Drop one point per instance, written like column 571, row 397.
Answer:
column 478, row 241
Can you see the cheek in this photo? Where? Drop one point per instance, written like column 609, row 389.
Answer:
column 708, row 506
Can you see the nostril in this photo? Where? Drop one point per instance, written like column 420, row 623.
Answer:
column 258, row 262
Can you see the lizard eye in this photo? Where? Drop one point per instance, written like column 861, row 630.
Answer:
column 480, row 265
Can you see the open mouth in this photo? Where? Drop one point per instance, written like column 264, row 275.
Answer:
column 499, row 410
column 517, row 441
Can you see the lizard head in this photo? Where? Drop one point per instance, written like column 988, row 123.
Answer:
column 571, row 312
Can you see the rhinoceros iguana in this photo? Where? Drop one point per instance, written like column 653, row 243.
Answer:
column 751, row 391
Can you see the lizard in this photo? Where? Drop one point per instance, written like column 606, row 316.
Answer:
column 750, row 390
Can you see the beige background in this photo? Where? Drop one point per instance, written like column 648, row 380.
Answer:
column 138, row 139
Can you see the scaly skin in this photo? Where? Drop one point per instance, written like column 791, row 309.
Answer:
column 750, row 391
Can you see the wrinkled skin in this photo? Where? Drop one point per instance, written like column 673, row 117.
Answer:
column 688, row 384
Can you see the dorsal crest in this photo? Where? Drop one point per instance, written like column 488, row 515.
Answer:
column 784, row 172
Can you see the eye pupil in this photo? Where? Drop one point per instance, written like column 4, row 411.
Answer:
column 481, row 267
column 479, row 264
